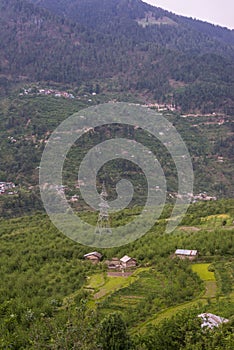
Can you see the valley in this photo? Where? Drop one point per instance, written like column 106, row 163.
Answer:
column 160, row 289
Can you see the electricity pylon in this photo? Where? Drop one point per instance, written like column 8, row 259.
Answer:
column 103, row 223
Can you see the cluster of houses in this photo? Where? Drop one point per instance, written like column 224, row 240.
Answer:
column 7, row 188
column 52, row 92
column 162, row 107
column 12, row 139
column 47, row 92
column 203, row 197
column 115, row 263
column 128, row 262
column 55, row 93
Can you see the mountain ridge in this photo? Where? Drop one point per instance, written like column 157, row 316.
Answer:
column 134, row 9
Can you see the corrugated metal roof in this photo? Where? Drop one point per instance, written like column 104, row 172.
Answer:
column 99, row 255
column 186, row 252
column 125, row 258
column 211, row 320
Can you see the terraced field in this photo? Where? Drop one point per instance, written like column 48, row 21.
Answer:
column 207, row 277
column 143, row 293
column 146, row 291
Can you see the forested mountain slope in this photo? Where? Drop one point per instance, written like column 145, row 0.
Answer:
column 163, row 27
column 134, row 45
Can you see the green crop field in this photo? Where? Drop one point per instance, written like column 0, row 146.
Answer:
column 203, row 272
column 153, row 291
column 113, row 284
column 96, row 281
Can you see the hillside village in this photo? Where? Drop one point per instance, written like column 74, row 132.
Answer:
column 217, row 118
column 36, row 91
column 127, row 267
column 7, row 188
column 127, row 262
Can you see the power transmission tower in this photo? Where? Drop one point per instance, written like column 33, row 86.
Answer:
column 103, row 223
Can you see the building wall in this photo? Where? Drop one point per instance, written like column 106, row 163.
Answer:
column 130, row 263
column 186, row 257
column 93, row 259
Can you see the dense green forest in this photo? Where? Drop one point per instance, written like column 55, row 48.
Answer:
column 92, row 12
column 52, row 298
column 177, row 62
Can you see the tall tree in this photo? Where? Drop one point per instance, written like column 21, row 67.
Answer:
column 113, row 333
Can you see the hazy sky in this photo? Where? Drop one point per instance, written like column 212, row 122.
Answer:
column 219, row 12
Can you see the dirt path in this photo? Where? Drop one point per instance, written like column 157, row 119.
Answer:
column 118, row 274
column 211, row 289
column 189, row 228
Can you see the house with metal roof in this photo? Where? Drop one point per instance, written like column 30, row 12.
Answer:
column 94, row 257
column 211, row 320
column 186, row 254
column 126, row 262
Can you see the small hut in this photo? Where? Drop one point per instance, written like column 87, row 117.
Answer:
column 186, row 254
column 94, row 257
column 127, row 262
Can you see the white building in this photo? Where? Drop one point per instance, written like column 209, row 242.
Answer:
column 211, row 320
